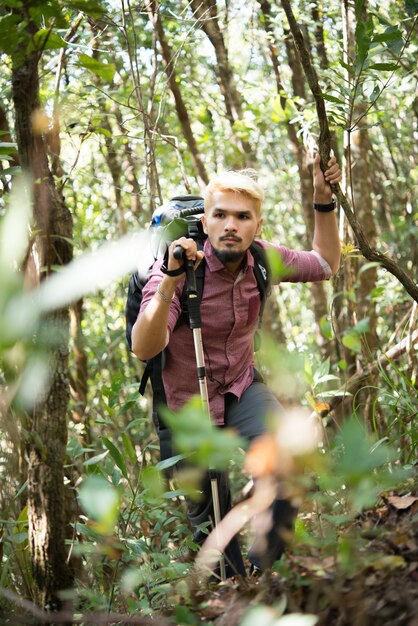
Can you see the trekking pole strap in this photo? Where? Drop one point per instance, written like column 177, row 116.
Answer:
column 193, row 304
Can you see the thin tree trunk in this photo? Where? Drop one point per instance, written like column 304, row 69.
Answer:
column 182, row 113
column 317, row 15
column 130, row 168
column 6, row 137
column 150, row 128
column 79, row 385
column 207, row 13
column 115, row 168
column 50, row 247
column 361, row 176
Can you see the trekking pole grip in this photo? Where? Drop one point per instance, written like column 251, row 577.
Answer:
column 191, row 288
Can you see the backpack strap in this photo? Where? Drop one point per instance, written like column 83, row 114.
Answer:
column 262, row 274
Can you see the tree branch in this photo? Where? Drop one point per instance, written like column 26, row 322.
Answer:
column 324, row 144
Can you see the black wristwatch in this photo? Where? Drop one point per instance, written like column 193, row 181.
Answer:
column 324, row 208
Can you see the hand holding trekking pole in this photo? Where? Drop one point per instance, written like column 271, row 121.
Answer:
column 183, row 251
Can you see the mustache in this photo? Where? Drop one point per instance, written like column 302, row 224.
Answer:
column 233, row 237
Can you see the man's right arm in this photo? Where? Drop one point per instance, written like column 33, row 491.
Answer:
column 150, row 332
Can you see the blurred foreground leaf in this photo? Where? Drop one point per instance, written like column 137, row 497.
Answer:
column 100, row 501
column 194, row 434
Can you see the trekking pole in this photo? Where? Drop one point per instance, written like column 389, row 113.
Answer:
column 196, row 326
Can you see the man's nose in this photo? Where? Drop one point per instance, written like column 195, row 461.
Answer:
column 230, row 223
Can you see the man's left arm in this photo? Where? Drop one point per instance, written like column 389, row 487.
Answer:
column 326, row 240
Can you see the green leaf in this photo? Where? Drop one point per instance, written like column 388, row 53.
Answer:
column 359, row 4
column 100, row 501
column 90, row 7
column 327, row 96
column 102, row 131
column 153, row 481
column 96, row 459
column 347, row 67
column 352, row 342
column 104, row 70
column 18, row 538
column 377, row 292
column 166, row 463
column 21, row 490
column 323, row 369
column 325, row 326
column 370, row 89
column 363, row 326
column 9, row 37
column 363, row 36
column 128, row 447
column 75, row 449
column 368, row 266
column 390, row 34
column 45, row 39
column 44, row 13
column 7, row 148
column 11, row 171
column 326, row 378
column 116, row 456
column 387, row 67
column 411, row 7
column 193, row 433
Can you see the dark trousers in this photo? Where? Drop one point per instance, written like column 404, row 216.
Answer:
column 248, row 417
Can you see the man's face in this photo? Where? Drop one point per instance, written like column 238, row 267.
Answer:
column 231, row 222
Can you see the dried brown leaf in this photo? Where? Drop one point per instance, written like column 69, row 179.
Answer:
column 402, row 502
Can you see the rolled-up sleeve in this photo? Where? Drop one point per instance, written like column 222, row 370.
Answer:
column 297, row 266
column 150, row 289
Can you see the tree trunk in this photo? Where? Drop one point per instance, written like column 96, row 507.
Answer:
column 361, row 176
column 49, row 248
column 207, row 14
column 6, row 137
column 115, row 168
column 182, row 113
column 78, row 383
column 317, row 16
column 130, row 168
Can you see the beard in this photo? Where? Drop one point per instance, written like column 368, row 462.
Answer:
column 229, row 256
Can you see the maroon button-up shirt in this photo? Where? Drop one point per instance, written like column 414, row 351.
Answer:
column 229, row 311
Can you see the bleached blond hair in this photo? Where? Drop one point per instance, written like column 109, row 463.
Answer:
column 241, row 182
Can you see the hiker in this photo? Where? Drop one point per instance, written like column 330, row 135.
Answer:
column 230, row 305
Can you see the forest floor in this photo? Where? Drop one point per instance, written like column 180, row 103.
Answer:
column 378, row 584
column 370, row 580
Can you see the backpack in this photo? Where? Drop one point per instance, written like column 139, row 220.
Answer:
column 179, row 217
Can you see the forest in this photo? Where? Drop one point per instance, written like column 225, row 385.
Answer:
column 108, row 109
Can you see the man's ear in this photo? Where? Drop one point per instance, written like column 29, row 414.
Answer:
column 203, row 220
column 259, row 226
